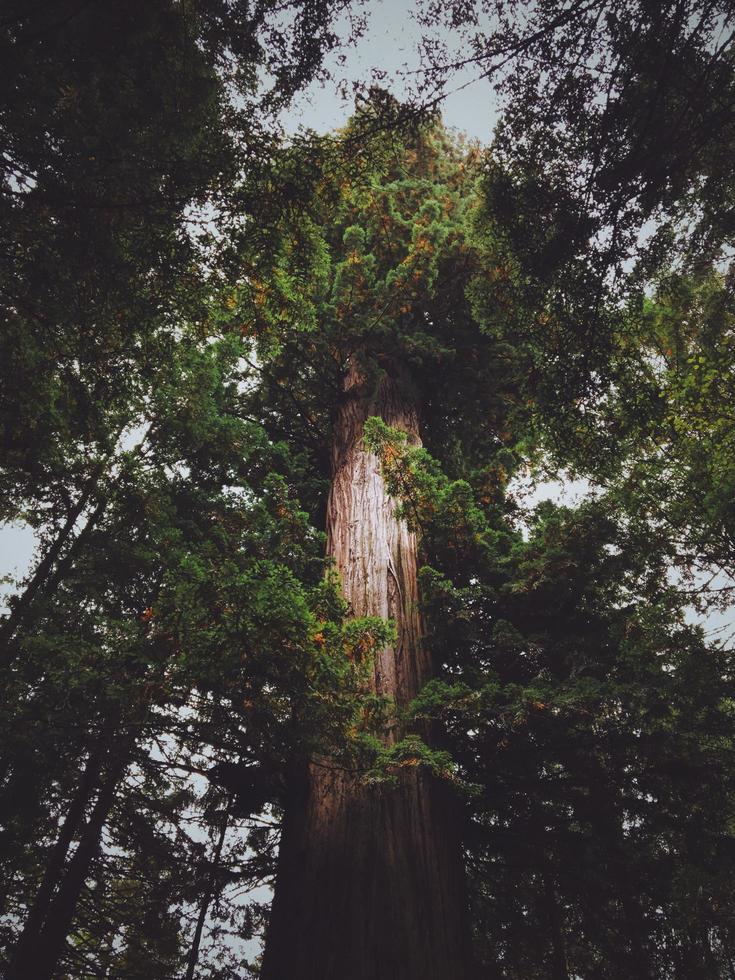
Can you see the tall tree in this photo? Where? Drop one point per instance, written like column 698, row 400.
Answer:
column 370, row 880
column 486, row 736
column 564, row 657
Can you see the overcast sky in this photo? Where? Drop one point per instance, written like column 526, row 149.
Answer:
column 390, row 44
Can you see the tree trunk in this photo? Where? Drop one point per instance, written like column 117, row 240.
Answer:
column 558, row 959
column 209, row 893
column 634, row 957
column 41, row 961
column 28, row 939
column 35, row 584
column 369, row 883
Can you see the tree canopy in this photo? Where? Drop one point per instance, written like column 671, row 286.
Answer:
column 183, row 292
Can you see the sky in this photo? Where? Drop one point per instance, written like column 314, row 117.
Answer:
column 390, row 44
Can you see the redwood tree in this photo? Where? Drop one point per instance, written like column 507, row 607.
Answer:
column 503, row 728
column 370, row 879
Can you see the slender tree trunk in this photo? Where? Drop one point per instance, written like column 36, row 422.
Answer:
column 208, row 895
column 37, row 581
column 635, row 960
column 53, row 872
column 369, row 883
column 559, row 969
column 41, row 960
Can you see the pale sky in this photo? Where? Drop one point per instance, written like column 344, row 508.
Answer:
column 390, row 44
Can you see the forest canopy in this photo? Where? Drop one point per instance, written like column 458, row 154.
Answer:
column 303, row 681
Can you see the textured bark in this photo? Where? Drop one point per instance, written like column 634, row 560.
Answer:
column 369, row 883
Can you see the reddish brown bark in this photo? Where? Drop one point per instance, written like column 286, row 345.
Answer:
column 370, row 884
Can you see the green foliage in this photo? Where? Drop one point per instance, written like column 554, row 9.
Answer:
column 173, row 609
column 181, row 295
column 586, row 724
column 377, row 275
